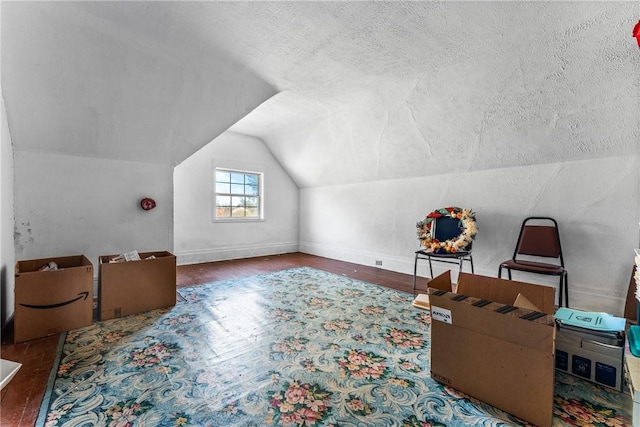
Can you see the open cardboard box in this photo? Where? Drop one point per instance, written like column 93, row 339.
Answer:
column 487, row 347
column 50, row 302
column 132, row 287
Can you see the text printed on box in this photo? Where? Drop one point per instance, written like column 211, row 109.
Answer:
column 441, row 314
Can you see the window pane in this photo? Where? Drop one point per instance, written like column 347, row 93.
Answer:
column 223, row 200
column 222, row 187
column 251, row 189
column 251, row 201
column 237, row 212
column 252, row 212
column 237, row 189
column 237, row 178
column 222, row 176
column 237, row 201
column 251, row 179
column 223, row 212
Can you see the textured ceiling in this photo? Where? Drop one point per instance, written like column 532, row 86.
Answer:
column 375, row 90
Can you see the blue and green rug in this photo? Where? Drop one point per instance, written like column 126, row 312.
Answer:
column 299, row 347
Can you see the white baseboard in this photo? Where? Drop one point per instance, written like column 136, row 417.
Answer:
column 580, row 297
column 404, row 264
column 237, row 252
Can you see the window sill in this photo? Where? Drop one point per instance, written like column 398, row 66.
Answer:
column 237, row 221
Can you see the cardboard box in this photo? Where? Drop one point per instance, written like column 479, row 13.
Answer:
column 486, row 347
column 590, row 358
column 632, row 371
column 50, row 302
column 132, row 287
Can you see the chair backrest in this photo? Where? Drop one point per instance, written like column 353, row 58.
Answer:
column 539, row 240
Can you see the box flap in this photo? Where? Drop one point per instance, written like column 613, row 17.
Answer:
column 506, row 291
column 442, row 282
column 523, row 302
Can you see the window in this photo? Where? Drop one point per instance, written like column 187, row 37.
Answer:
column 238, row 195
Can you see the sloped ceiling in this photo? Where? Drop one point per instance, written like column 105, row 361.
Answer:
column 366, row 90
column 117, row 80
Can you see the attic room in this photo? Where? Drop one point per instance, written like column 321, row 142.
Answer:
column 362, row 116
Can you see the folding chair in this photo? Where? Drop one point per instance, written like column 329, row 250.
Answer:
column 538, row 244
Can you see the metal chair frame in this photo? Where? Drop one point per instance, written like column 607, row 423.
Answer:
column 456, row 258
column 554, row 269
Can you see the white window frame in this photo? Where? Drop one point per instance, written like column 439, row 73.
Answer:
column 243, row 170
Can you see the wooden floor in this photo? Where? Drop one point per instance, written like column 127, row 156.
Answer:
column 21, row 398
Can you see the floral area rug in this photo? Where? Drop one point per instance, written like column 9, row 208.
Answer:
column 299, row 347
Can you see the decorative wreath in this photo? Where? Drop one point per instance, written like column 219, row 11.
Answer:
column 467, row 220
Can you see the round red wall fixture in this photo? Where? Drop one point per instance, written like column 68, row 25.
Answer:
column 147, row 203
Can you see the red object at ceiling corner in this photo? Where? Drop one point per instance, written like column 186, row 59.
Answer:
column 636, row 32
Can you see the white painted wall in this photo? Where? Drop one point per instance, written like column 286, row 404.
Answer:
column 596, row 203
column 66, row 205
column 7, row 252
column 198, row 239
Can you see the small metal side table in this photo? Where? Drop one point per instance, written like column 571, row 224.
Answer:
column 450, row 258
